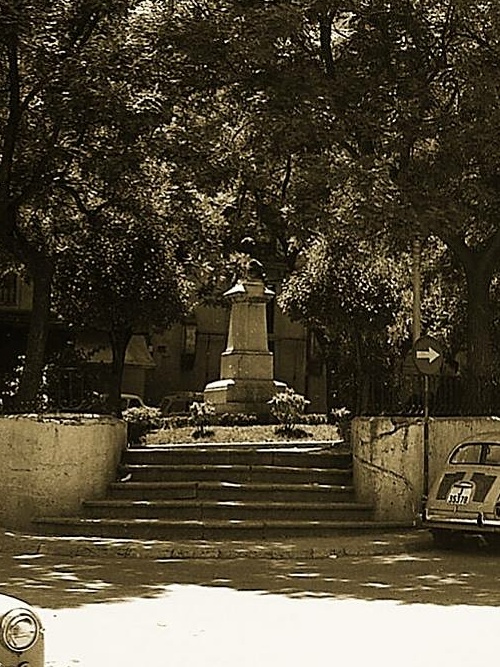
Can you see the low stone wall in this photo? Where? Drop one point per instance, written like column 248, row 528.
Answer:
column 49, row 464
column 388, row 459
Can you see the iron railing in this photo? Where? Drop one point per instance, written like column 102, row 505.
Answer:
column 447, row 396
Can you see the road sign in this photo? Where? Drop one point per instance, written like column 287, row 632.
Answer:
column 428, row 355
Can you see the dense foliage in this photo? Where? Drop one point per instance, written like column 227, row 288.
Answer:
column 83, row 104
column 374, row 117
column 332, row 132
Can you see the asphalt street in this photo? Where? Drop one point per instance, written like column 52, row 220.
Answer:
column 427, row 608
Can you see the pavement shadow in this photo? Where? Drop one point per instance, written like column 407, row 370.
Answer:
column 466, row 576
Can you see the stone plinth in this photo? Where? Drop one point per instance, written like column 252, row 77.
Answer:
column 248, row 396
column 247, row 370
column 247, row 365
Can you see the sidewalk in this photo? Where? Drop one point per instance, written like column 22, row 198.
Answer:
column 353, row 543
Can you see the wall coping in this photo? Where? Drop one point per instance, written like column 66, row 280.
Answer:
column 63, row 417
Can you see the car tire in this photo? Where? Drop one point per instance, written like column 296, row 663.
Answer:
column 492, row 541
column 445, row 539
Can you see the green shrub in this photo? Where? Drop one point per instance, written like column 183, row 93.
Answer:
column 141, row 421
column 176, row 421
column 342, row 417
column 288, row 408
column 201, row 415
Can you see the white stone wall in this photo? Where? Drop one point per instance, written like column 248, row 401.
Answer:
column 388, row 459
column 49, row 464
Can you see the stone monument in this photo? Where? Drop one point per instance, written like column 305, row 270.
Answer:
column 247, row 370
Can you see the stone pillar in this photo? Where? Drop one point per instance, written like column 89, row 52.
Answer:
column 246, row 370
column 50, row 464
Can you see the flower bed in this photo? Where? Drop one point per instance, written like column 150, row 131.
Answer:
column 257, row 433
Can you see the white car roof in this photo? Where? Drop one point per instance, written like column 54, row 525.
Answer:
column 490, row 436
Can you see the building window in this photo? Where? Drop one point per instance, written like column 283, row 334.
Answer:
column 189, row 346
column 189, row 343
column 8, row 290
column 315, row 354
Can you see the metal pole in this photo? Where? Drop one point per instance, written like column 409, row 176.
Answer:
column 426, row 438
column 416, row 283
column 417, row 332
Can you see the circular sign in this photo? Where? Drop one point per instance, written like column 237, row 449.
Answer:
column 428, row 355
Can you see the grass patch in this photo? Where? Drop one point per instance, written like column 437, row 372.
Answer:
column 258, row 433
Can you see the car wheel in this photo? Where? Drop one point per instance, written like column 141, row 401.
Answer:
column 492, row 540
column 445, row 539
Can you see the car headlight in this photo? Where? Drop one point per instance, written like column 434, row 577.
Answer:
column 20, row 629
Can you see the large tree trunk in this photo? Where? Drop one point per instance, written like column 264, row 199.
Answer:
column 329, row 352
column 479, row 352
column 119, row 339
column 31, row 378
column 479, row 266
column 480, row 367
column 362, row 381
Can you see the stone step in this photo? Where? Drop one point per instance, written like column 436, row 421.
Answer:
column 270, row 456
column 194, row 510
column 168, row 530
column 222, row 492
column 237, row 473
column 216, row 490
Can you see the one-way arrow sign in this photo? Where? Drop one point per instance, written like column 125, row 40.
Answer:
column 428, row 355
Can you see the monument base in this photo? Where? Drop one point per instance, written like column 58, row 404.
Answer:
column 242, row 396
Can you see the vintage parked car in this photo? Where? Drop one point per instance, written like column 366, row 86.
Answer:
column 465, row 498
column 131, row 401
column 22, row 642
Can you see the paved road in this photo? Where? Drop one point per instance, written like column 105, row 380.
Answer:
column 423, row 609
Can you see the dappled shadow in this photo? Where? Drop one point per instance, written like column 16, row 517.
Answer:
column 467, row 576
column 73, row 582
column 439, row 579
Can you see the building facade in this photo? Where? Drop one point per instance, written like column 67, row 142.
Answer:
column 169, row 366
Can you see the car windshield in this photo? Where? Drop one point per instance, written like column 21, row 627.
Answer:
column 485, row 453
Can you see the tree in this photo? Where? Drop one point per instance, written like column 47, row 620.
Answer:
column 400, row 99
column 426, row 104
column 80, row 97
column 121, row 277
column 349, row 293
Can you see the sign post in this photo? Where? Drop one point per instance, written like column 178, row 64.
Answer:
column 428, row 356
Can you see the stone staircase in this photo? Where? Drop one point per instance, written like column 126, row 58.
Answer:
column 208, row 492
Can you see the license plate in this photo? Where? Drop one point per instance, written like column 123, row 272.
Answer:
column 461, row 493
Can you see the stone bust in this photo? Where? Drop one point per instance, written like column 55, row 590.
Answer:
column 254, row 268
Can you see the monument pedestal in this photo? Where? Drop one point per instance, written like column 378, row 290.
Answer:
column 247, row 371
column 242, row 396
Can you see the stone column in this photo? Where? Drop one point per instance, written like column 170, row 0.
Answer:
column 247, row 370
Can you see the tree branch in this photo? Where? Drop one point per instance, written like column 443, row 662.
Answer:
column 12, row 124
column 286, row 180
column 87, row 211
column 325, row 37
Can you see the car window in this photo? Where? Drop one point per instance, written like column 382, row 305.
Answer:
column 492, row 454
column 134, row 403
column 486, row 453
column 467, row 454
